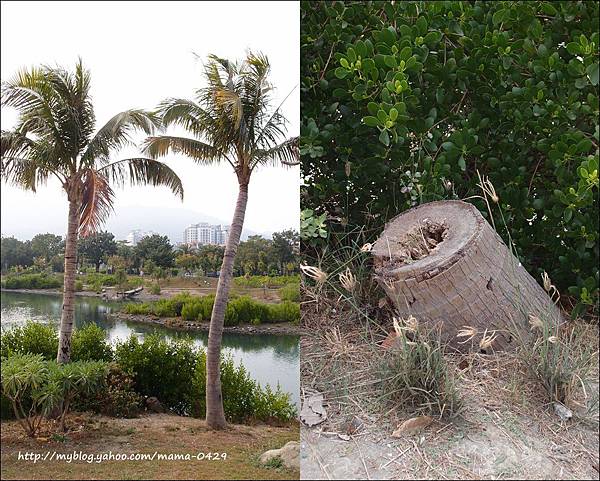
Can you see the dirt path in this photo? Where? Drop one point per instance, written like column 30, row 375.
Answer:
column 165, row 434
column 504, row 430
column 497, row 446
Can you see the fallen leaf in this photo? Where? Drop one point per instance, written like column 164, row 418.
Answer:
column 382, row 302
column 313, row 412
column 344, row 437
column 389, row 340
column 412, row 426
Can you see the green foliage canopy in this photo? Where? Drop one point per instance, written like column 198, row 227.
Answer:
column 402, row 103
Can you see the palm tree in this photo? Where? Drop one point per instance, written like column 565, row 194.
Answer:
column 230, row 120
column 55, row 137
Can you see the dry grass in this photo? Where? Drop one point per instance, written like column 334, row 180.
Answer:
column 163, row 433
column 507, row 427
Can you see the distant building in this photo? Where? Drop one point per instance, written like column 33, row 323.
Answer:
column 204, row 233
column 137, row 235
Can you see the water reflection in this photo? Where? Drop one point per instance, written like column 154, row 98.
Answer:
column 268, row 358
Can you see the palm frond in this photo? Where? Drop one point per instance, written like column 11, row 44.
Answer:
column 199, row 151
column 97, row 201
column 143, row 171
column 287, row 153
column 117, row 133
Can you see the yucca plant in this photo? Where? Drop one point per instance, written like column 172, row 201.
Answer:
column 231, row 120
column 56, row 137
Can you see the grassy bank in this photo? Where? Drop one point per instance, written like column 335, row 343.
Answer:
column 240, row 309
column 161, row 433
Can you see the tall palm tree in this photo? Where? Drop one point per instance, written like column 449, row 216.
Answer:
column 231, row 120
column 55, row 137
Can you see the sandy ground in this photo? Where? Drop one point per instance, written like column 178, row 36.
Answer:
column 505, row 430
column 166, row 434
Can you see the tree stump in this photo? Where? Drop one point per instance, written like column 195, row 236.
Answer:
column 444, row 264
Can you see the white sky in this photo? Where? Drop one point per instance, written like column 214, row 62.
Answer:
column 140, row 53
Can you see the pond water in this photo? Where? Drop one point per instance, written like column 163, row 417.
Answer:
column 269, row 359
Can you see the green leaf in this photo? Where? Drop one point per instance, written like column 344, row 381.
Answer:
column 405, row 53
column 370, row 121
column 344, row 63
column 422, row 25
column 393, row 114
column 462, row 164
column 382, row 116
column 573, row 48
column 432, row 38
column 390, row 61
column 568, row 215
column 341, row 72
column 384, row 138
column 592, row 72
column 351, row 54
column 498, row 17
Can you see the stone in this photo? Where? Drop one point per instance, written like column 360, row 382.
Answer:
column 154, row 405
column 289, row 454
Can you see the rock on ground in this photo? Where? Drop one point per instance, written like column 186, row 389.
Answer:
column 289, row 454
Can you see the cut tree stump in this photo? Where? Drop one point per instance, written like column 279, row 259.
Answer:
column 444, row 264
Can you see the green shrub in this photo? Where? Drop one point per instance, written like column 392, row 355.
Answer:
column 273, row 406
column 116, row 398
column 89, row 343
column 78, row 285
column 418, row 95
column 265, row 281
column 248, row 309
column 290, row 292
column 161, row 368
column 32, row 338
column 31, row 281
column 164, row 308
column 284, row 312
column 243, row 398
column 154, row 289
column 137, row 308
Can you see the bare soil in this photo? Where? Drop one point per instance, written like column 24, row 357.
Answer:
column 505, row 430
column 165, row 434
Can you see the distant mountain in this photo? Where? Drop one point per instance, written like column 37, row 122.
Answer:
column 164, row 220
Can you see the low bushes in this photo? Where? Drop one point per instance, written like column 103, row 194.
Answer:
column 240, row 310
column 243, row 398
column 88, row 342
column 265, row 281
column 174, row 371
column 117, row 398
column 290, row 292
column 160, row 368
column 31, row 281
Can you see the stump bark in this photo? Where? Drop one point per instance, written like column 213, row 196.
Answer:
column 444, row 264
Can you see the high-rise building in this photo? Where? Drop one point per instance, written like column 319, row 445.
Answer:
column 204, row 233
column 137, row 235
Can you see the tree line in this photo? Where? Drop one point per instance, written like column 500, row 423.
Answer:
column 256, row 255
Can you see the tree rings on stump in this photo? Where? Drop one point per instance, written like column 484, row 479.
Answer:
column 444, row 264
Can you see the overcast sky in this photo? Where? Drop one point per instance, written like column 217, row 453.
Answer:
column 139, row 54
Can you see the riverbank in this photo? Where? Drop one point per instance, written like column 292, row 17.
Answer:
column 281, row 328
column 267, row 295
column 161, row 433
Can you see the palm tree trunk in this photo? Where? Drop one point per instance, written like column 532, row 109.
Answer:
column 215, row 416
column 68, row 307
